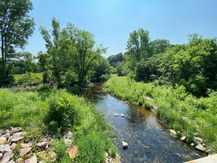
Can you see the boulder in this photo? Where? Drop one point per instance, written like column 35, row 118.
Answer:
column 68, row 135
column 198, row 139
column 122, row 115
column 2, row 140
column 24, row 151
column 32, row 159
column 26, row 145
column 15, row 129
column 173, row 133
column 115, row 115
column 42, row 144
column 20, row 160
column 72, row 151
column 5, row 148
column 1, row 155
column 12, row 161
column 13, row 146
column 17, row 139
column 7, row 156
column 7, row 135
column 192, row 144
column 183, row 138
column 68, row 142
column 124, row 144
column 19, row 134
column 200, row 147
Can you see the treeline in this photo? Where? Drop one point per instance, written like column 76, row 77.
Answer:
column 192, row 65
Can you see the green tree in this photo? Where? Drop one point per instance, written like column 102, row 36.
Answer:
column 15, row 28
column 83, row 53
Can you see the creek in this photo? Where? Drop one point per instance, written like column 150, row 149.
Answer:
column 148, row 140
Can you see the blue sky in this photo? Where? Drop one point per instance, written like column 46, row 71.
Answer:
column 111, row 21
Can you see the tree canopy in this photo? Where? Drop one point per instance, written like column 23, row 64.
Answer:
column 15, row 28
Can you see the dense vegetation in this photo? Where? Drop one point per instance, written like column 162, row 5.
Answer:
column 175, row 107
column 53, row 112
column 192, row 65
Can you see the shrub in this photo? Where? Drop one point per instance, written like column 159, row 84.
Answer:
column 61, row 112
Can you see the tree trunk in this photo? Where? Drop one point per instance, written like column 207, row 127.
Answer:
column 3, row 59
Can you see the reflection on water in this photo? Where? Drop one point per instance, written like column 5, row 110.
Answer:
column 148, row 140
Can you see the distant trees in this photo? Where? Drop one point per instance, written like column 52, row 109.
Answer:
column 114, row 59
column 15, row 28
column 71, row 57
column 193, row 65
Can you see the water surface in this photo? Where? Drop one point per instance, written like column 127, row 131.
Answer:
column 148, row 140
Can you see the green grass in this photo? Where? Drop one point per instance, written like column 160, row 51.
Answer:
column 175, row 107
column 28, row 79
column 53, row 112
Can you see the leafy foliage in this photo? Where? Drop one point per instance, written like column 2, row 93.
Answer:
column 15, row 28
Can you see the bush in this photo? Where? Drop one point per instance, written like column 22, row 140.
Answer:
column 61, row 112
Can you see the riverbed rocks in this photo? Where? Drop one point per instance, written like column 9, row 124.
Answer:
column 200, row 147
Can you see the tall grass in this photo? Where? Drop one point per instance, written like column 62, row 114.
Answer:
column 54, row 112
column 175, row 107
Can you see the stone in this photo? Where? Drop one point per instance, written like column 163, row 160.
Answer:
column 52, row 155
column 198, row 139
column 26, row 145
column 124, row 144
column 16, row 139
column 183, row 138
column 6, row 158
column 68, row 142
column 19, row 134
column 24, row 151
column 115, row 115
column 192, row 144
column 72, row 151
column 200, row 147
column 122, row 115
column 15, row 129
column 1, row 155
column 42, row 162
column 20, row 160
column 5, row 148
column 68, row 135
column 2, row 140
column 13, row 146
column 173, row 133
column 12, row 161
column 32, row 159
column 7, row 135
column 42, row 144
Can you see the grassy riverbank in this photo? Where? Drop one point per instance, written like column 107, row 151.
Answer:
column 54, row 111
column 176, row 108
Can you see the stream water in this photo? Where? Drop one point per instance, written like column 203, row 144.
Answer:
column 148, row 140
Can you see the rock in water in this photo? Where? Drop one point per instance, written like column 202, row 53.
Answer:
column 122, row 115
column 115, row 115
column 183, row 138
column 124, row 144
column 200, row 147
column 173, row 133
